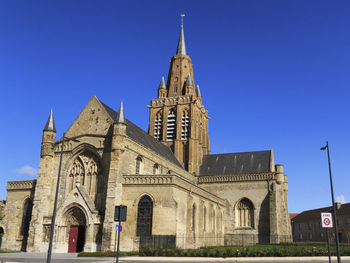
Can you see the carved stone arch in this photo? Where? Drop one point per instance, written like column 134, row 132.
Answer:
column 244, row 198
column 73, row 218
column 153, row 198
column 87, row 216
column 85, row 168
column 244, row 213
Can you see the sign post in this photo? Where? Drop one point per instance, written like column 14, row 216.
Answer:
column 327, row 222
column 119, row 215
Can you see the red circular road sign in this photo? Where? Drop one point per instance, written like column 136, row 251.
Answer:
column 326, row 221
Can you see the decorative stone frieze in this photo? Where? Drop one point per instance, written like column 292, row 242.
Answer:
column 21, row 185
column 235, row 178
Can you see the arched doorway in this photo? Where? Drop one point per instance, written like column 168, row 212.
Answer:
column 75, row 221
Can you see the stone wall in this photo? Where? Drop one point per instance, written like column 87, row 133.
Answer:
column 18, row 192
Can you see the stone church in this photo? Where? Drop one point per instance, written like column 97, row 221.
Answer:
column 176, row 192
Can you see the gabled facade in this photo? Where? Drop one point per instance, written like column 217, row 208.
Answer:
column 306, row 226
column 177, row 193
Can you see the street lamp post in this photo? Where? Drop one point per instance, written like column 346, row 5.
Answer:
column 56, row 197
column 334, row 208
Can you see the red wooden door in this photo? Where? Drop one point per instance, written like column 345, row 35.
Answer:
column 73, row 239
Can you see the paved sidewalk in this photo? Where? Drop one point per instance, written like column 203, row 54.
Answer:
column 72, row 257
column 238, row 259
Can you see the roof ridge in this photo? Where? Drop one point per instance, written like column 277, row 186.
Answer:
column 235, row 153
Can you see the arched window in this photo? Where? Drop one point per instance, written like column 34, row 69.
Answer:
column 144, row 216
column 156, row 169
column 171, row 126
column 204, row 219
column 158, row 126
column 139, row 165
column 220, row 222
column 245, row 213
column 26, row 217
column 185, row 125
column 194, row 218
column 214, row 221
column 86, row 170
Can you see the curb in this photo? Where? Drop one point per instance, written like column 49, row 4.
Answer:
column 234, row 259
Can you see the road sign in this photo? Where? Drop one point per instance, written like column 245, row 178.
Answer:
column 117, row 227
column 326, row 219
column 120, row 211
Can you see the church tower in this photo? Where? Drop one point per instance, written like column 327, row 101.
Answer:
column 177, row 117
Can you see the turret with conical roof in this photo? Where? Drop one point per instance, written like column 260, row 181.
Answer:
column 120, row 121
column 121, row 114
column 162, row 92
column 49, row 137
column 189, row 87
column 50, row 124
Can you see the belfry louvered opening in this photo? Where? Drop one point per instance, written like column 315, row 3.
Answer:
column 158, row 126
column 185, row 126
column 171, row 126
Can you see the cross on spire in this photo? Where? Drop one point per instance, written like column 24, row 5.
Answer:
column 181, row 47
column 182, row 20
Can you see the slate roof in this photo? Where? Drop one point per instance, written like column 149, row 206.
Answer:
column 140, row 136
column 236, row 163
column 315, row 214
column 50, row 124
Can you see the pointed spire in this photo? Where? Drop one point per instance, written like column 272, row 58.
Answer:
column 189, row 80
column 121, row 115
column 50, row 124
column 162, row 84
column 198, row 92
column 181, row 47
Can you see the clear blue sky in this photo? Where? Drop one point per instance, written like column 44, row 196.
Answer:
column 273, row 74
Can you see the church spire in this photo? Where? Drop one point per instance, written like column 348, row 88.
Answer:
column 181, row 47
column 50, row 124
column 121, row 115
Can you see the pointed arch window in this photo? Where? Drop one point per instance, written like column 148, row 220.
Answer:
column 245, row 213
column 214, row 221
column 158, row 126
column 144, row 216
column 139, row 165
column 194, row 218
column 26, row 217
column 156, row 168
column 171, row 126
column 86, row 170
column 204, row 219
column 185, row 125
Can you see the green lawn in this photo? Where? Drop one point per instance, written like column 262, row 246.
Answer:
column 7, row 251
